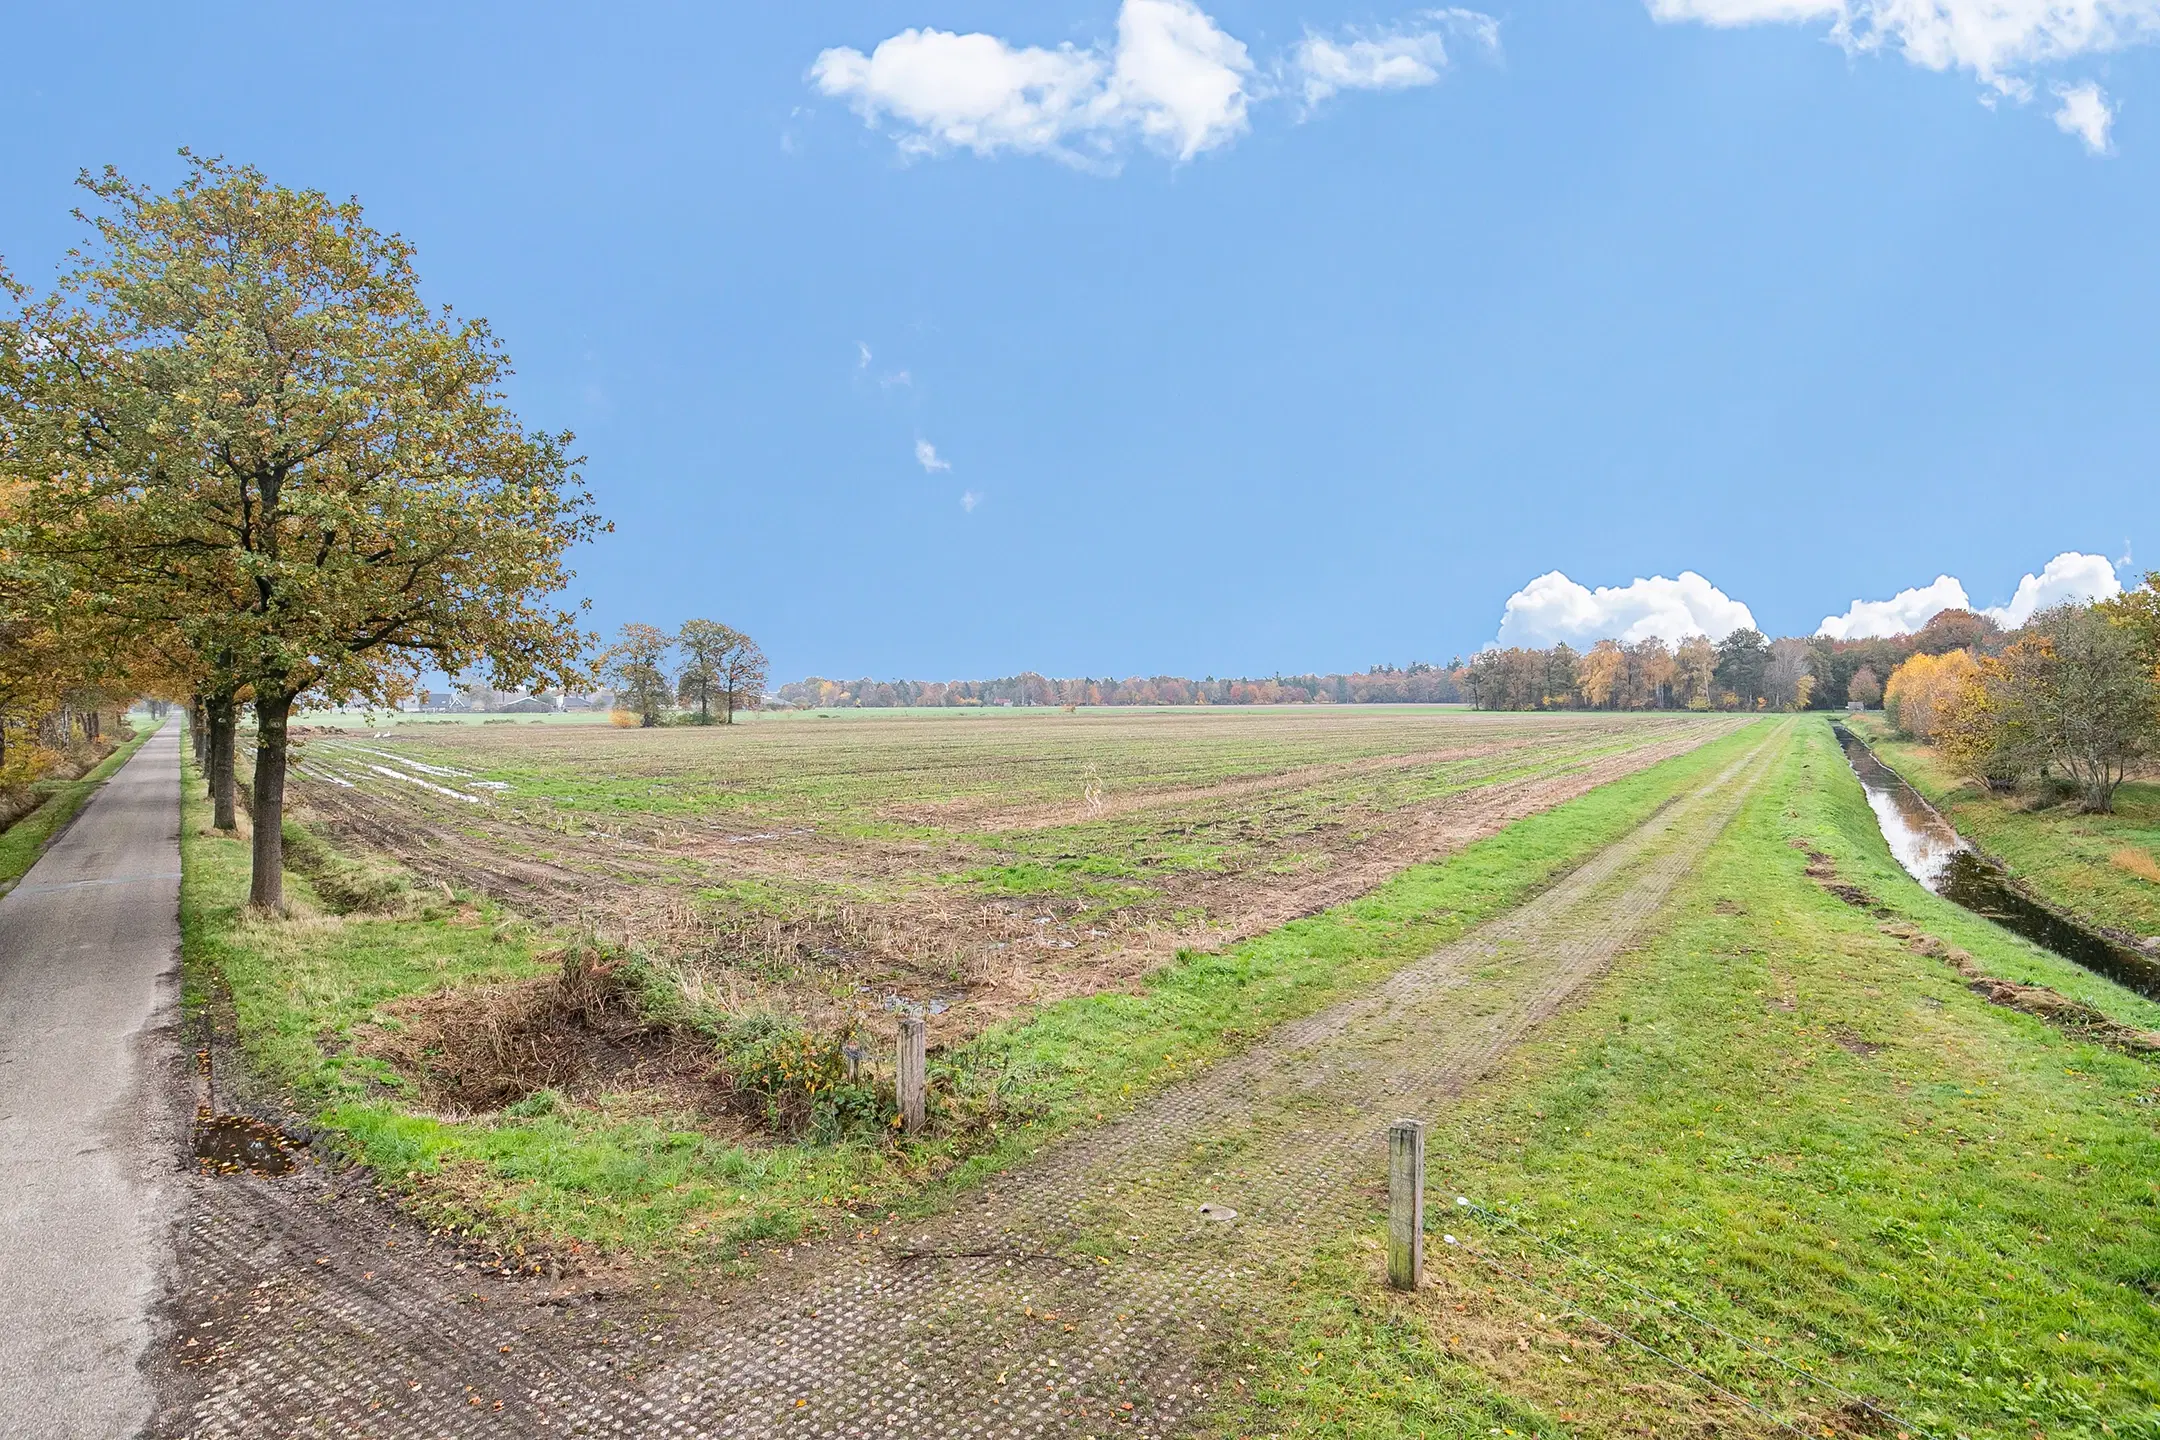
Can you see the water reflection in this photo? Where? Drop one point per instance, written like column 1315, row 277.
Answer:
column 1933, row 853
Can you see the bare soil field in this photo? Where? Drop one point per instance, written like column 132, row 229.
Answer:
column 968, row 865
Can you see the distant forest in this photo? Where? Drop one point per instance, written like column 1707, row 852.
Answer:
column 1419, row 684
column 1744, row 671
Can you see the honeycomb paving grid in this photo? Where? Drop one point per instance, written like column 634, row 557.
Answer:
column 314, row 1316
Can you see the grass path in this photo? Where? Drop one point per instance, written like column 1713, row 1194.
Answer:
column 1777, row 1117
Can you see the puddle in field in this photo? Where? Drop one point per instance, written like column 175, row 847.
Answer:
column 1939, row 858
column 227, row 1144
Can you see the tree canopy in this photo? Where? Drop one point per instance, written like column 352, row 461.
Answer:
column 245, row 430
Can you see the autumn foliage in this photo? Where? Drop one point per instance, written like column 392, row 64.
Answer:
column 1924, row 692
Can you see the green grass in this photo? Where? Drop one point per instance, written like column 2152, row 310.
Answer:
column 300, row 988
column 23, row 842
column 2103, row 867
column 619, row 1174
column 1782, row 1119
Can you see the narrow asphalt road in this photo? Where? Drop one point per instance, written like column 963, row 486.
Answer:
column 89, row 983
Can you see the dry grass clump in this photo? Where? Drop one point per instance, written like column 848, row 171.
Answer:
column 480, row 1048
column 2138, row 863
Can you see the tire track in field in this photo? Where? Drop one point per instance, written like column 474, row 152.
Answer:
column 1078, row 1294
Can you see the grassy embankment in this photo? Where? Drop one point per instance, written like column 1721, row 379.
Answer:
column 23, row 842
column 1781, row 1119
column 2105, row 868
column 621, row 1174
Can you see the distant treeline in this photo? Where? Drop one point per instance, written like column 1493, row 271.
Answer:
column 1420, row 683
column 1744, row 671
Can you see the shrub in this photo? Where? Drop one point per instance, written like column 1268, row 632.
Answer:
column 1923, row 689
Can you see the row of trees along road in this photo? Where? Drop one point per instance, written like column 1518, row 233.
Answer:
column 250, row 465
column 2073, row 695
column 720, row 666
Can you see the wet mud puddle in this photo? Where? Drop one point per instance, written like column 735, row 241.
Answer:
column 1933, row 853
column 229, row 1144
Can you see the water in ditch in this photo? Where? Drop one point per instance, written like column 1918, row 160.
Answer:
column 1939, row 858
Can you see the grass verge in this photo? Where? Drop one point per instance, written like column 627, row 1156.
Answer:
column 2105, row 868
column 23, row 842
column 622, row 1173
column 1778, row 1118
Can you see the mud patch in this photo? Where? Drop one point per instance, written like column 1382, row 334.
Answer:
column 2058, row 1009
column 1823, row 871
column 230, row 1144
column 1852, row 1044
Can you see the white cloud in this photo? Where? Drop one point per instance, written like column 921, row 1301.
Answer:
column 898, row 377
column 1179, row 76
column 2085, row 113
column 862, row 355
column 969, row 500
column 2069, row 576
column 1173, row 80
column 1391, row 59
column 1997, row 41
column 926, row 455
column 1553, row 608
column 1746, row 12
column 1901, row 614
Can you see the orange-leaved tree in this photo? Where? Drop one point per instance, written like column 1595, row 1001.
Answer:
column 1922, row 690
column 1602, row 675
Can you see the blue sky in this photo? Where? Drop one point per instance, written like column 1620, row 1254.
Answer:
column 1304, row 376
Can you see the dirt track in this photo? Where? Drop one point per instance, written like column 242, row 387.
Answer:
column 305, row 1310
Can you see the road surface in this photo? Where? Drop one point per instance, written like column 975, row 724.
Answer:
column 89, row 980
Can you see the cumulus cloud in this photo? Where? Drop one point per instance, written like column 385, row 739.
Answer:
column 1901, row 614
column 969, row 500
column 926, row 456
column 1553, row 608
column 2069, row 576
column 1997, row 41
column 2085, row 113
column 862, row 355
column 1173, row 81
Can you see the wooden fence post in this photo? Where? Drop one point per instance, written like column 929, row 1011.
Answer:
column 1406, row 1204
column 912, row 1071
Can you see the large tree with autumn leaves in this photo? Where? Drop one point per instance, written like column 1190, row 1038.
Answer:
column 243, row 432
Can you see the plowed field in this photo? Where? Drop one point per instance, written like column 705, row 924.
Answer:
column 968, row 864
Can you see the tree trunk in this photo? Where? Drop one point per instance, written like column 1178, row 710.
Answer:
column 198, row 741
column 273, row 710
column 221, row 714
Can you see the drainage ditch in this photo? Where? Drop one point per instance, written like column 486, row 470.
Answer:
column 1933, row 853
